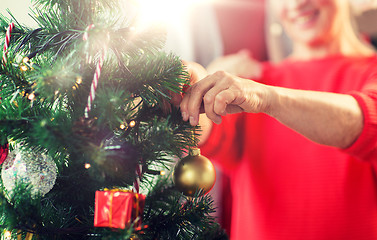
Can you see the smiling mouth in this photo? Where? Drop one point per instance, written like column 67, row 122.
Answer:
column 306, row 20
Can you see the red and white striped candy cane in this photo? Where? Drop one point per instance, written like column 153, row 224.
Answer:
column 92, row 94
column 136, row 187
column 94, row 84
column 97, row 73
column 7, row 40
column 86, row 34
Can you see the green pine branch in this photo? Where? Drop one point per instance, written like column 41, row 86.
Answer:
column 44, row 87
column 170, row 215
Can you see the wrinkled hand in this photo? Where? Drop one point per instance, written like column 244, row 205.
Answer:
column 221, row 93
column 197, row 72
column 240, row 64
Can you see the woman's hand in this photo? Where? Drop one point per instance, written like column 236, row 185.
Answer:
column 326, row 118
column 197, row 72
column 221, row 93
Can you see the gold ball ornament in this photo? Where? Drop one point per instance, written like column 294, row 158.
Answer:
column 194, row 173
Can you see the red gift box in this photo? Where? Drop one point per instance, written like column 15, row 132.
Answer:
column 118, row 208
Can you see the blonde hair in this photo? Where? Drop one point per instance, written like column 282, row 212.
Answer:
column 351, row 30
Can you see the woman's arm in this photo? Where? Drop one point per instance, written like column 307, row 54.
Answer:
column 326, row 118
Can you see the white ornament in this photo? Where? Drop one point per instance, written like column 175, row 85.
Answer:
column 36, row 170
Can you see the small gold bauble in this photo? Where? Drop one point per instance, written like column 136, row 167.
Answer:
column 194, row 173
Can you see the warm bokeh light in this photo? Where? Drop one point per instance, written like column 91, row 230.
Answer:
column 23, row 68
column 31, row 96
column 132, row 123
column 25, row 59
column 79, row 80
column 7, row 234
column 164, row 11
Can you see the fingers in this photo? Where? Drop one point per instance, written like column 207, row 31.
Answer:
column 215, row 93
column 223, row 104
column 221, row 94
column 215, row 101
column 231, row 109
column 222, row 100
column 193, row 99
column 196, row 72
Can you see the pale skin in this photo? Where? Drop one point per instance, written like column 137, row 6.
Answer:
column 326, row 118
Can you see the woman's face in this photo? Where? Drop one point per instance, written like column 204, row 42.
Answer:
column 311, row 22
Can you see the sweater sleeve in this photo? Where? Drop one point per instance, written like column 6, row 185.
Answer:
column 225, row 143
column 365, row 147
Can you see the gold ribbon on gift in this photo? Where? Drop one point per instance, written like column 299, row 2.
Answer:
column 137, row 206
column 112, row 192
column 116, row 190
column 29, row 235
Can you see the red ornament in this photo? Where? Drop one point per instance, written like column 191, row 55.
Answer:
column 4, row 149
column 118, row 209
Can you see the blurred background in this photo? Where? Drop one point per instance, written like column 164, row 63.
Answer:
column 202, row 30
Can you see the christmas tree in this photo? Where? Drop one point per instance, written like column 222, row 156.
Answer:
column 87, row 130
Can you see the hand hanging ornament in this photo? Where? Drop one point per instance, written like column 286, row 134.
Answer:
column 194, row 174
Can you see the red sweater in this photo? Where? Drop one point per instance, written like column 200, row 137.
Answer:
column 285, row 186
